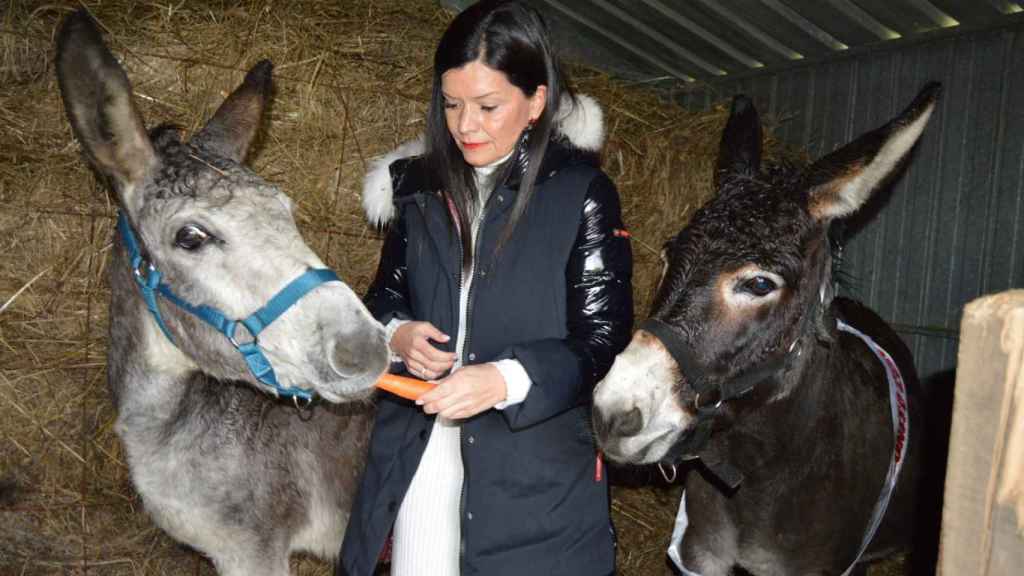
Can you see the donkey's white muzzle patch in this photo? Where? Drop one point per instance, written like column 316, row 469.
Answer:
column 636, row 415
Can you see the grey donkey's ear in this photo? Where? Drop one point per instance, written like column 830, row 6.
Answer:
column 838, row 184
column 98, row 101
column 231, row 130
column 739, row 152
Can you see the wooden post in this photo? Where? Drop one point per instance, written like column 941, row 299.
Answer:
column 983, row 510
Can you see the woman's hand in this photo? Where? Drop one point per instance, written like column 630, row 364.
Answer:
column 411, row 341
column 466, row 392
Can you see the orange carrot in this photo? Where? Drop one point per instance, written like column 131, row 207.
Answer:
column 404, row 386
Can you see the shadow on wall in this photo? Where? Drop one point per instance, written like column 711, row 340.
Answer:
column 939, row 413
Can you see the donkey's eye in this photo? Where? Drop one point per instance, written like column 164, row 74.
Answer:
column 759, row 286
column 191, row 237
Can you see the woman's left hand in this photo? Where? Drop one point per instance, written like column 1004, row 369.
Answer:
column 466, row 392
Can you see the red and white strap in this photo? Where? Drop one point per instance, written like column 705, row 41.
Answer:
column 901, row 433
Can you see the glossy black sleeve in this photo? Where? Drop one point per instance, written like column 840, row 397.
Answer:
column 599, row 314
column 600, row 288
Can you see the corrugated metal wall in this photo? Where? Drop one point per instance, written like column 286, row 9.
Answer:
column 952, row 227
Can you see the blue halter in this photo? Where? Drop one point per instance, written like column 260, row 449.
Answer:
column 148, row 278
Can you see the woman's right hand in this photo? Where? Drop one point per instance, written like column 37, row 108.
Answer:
column 411, row 341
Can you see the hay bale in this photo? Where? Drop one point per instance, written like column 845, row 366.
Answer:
column 352, row 82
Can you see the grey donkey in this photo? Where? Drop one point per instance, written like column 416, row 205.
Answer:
column 221, row 464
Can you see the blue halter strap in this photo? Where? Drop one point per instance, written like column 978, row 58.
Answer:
column 149, row 280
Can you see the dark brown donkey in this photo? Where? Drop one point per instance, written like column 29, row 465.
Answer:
column 791, row 399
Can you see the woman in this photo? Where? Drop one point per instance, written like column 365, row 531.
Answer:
column 504, row 278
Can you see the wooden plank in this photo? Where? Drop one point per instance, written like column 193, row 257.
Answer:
column 983, row 511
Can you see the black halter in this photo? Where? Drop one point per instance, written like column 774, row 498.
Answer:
column 711, row 395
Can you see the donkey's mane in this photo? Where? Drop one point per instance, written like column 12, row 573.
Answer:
column 166, row 134
column 168, row 142
column 187, row 169
column 784, row 176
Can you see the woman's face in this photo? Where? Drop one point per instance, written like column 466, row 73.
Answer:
column 485, row 112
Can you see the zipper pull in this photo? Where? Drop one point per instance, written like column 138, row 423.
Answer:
column 598, row 467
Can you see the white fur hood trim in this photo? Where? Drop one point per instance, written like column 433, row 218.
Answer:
column 582, row 125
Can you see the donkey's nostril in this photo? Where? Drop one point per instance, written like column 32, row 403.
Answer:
column 628, row 423
column 618, row 424
column 358, row 354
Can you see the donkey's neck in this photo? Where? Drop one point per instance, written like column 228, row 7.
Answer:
column 146, row 372
column 820, row 422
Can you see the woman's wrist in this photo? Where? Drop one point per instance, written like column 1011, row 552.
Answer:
column 517, row 382
column 389, row 333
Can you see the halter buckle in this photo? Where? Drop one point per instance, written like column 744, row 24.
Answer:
column 143, row 277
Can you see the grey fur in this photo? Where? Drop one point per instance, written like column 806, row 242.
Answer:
column 222, row 465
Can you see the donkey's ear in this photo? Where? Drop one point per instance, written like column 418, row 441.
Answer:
column 740, row 150
column 233, row 127
column 838, row 184
column 98, row 101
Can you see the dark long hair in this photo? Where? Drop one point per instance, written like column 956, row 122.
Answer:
column 510, row 37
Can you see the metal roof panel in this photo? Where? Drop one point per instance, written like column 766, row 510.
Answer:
column 701, row 39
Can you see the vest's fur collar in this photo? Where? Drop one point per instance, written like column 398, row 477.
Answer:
column 581, row 125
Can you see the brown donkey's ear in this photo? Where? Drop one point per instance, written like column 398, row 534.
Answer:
column 231, row 130
column 98, row 101
column 838, row 184
column 739, row 152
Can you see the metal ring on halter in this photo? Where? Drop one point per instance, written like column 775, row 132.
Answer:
column 661, row 467
column 231, row 337
column 304, row 407
column 137, row 270
column 716, row 406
